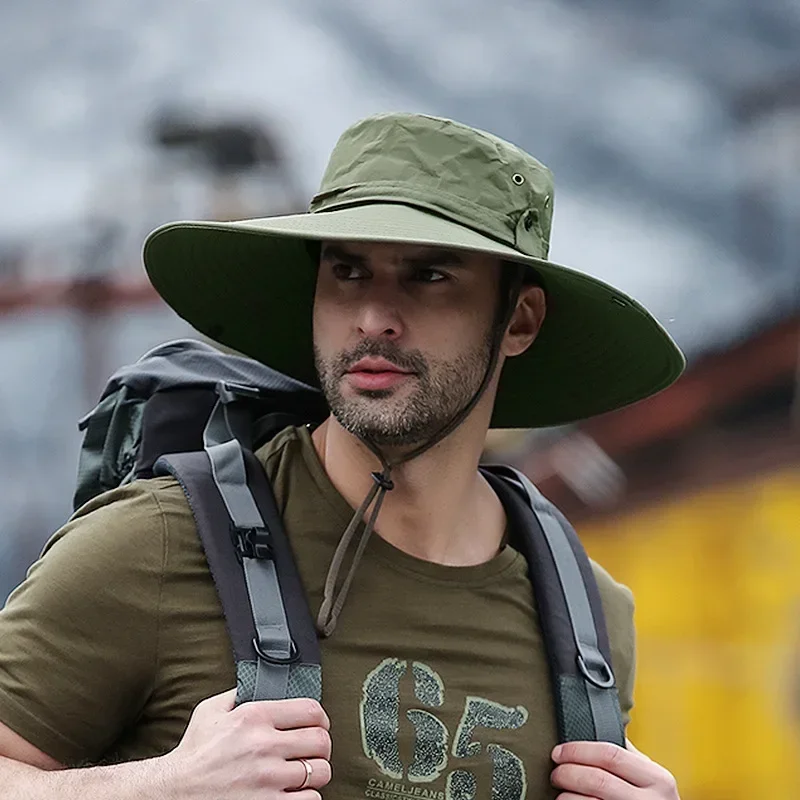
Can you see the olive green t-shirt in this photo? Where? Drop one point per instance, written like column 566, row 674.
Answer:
column 435, row 678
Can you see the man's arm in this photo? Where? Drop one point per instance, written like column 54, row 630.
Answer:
column 25, row 782
column 14, row 747
column 28, row 773
column 252, row 752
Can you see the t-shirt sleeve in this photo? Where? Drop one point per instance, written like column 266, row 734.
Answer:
column 79, row 636
column 618, row 606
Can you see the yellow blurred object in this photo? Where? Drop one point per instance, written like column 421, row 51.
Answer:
column 716, row 578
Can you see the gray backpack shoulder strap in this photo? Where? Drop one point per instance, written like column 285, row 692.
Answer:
column 570, row 611
column 275, row 646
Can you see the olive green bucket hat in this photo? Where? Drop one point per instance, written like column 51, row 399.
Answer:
column 416, row 179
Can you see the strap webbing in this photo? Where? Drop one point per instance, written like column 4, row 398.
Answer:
column 597, row 673
column 272, row 629
column 274, row 646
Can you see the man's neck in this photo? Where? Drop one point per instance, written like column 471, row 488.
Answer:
column 440, row 508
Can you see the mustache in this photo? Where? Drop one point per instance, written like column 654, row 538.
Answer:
column 409, row 360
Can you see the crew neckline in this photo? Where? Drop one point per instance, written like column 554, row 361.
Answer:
column 379, row 548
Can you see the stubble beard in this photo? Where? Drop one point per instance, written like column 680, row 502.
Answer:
column 440, row 390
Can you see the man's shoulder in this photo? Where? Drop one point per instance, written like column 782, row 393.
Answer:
column 280, row 458
column 618, row 607
column 144, row 510
column 126, row 517
column 285, row 444
column 138, row 497
column 615, row 596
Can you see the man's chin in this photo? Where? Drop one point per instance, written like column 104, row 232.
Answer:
column 374, row 394
column 377, row 433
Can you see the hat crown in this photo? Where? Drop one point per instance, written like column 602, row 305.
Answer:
column 466, row 175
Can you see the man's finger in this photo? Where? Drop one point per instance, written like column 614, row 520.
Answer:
column 632, row 767
column 592, row 782
column 303, row 743
column 571, row 796
column 286, row 715
column 296, row 774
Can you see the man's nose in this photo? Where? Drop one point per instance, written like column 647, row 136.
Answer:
column 375, row 321
column 379, row 317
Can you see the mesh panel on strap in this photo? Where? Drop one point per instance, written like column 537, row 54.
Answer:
column 573, row 706
column 305, row 680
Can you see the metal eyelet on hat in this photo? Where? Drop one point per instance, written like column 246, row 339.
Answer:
column 518, row 179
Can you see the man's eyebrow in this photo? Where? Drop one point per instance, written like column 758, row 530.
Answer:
column 333, row 252
column 438, row 258
column 434, row 258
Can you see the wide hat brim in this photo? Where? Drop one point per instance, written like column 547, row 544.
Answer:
column 250, row 286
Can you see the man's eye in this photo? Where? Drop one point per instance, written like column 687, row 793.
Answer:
column 430, row 276
column 347, row 272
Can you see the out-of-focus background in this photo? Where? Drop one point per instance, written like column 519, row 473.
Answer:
column 673, row 129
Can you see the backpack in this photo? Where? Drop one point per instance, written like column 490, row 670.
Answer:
column 188, row 410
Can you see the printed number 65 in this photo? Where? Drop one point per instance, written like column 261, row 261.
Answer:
column 380, row 725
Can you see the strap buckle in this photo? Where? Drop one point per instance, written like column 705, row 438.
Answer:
column 596, row 670
column 252, row 543
column 294, row 654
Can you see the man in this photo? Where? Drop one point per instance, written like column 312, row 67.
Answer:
column 423, row 267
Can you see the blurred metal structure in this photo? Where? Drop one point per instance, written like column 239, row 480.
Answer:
column 80, row 291
column 241, row 157
column 239, row 169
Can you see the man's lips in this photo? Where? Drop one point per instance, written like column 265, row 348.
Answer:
column 376, row 373
column 379, row 365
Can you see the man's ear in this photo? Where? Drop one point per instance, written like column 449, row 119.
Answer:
column 526, row 321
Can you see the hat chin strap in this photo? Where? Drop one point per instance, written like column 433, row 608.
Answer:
column 333, row 602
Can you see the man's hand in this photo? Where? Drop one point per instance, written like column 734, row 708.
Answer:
column 602, row 771
column 252, row 751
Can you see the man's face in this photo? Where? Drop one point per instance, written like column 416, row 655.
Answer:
column 402, row 336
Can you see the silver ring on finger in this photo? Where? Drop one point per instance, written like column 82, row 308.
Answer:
column 309, row 772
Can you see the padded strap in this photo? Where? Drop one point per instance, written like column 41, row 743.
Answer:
column 193, row 473
column 586, row 689
column 227, row 466
column 227, row 463
column 596, row 670
column 274, row 647
column 192, row 470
